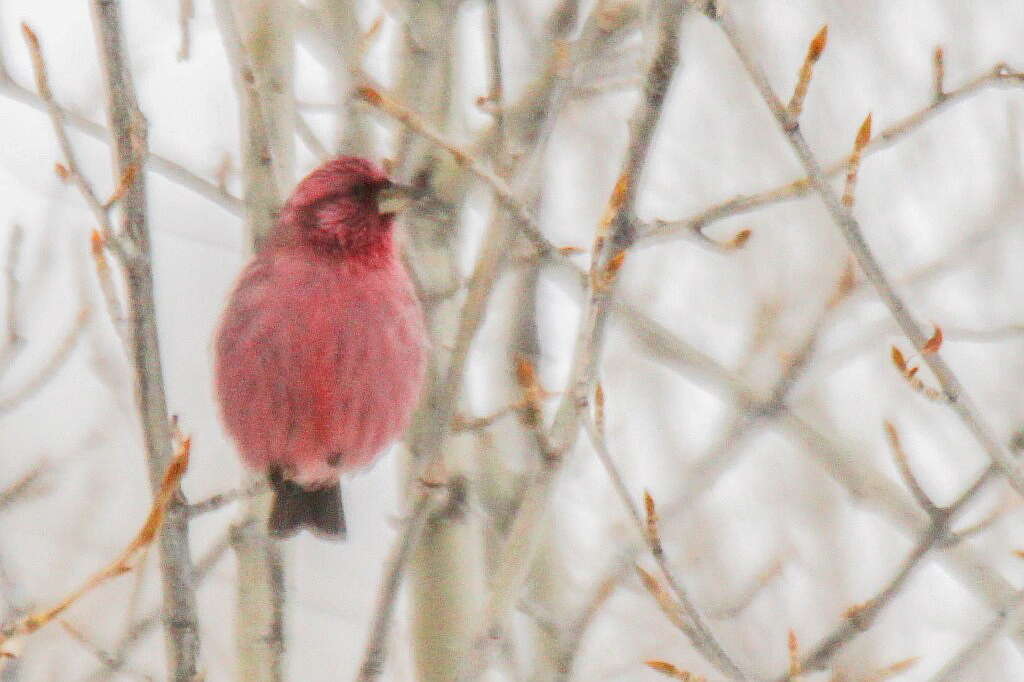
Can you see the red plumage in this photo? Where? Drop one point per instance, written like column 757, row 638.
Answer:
column 320, row 354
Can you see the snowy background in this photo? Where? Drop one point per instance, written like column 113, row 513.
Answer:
column 783, row 539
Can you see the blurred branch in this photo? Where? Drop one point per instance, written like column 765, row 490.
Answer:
column 906, row 473
column 174, row 172
column 861, row 617
column 119, row 657
column 658, row 230
column 258, row 38
column 220, row 500
column 852, row 233
column 186, row 13
column 690, row 622
column 122, row 563
column 46, row 372
column 393, row 573
column 129, row 134
column 309, row 138
column 338, row 25
column 25, row 486
column 98, row 652
column 1010, row 615
column 445, row 569
column 70, row 171
column 496, row 95
column 865, row 486
column 616, row 233
column 573, row 633
column 12, row 343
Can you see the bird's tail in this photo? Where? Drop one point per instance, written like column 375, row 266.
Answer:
column 295, row 508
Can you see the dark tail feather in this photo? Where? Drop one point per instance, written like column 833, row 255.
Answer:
column 296, row 508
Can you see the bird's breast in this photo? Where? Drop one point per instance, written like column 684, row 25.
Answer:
column 330, row 358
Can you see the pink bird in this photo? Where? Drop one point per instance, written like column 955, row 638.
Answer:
column 321, row 351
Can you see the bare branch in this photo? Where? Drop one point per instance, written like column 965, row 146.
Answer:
column 394, row 571
column 658, row 230
column 258, row 38
column 13, row 340
column 865, row 487
column 903, row 465
column 220, row 500
column 129, row 135
column 861, row 616
column 851, row 230
column 70, row 171
column 1006, row 617
column 143, row 626
column 46, row 372
column 122, row 563
column 309, row 138
column 26, row 486
column 173, row 171
column 690, row 621
column 618, row 225
column 186, row 13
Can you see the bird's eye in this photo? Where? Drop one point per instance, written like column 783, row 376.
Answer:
column 362, row 191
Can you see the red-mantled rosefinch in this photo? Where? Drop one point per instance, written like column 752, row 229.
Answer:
column 321, row 351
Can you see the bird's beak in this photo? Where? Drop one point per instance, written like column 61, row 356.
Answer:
column 394, row 198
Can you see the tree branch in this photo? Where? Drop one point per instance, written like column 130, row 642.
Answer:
column 129, row 148
column 520, row 543
column 952, row 389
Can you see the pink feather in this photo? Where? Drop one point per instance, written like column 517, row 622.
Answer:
column 321, row 352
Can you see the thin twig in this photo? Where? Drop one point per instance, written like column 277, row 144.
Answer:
column 814, row 50
column 309, row 138
column 108, row 291
column 700, row 636
column 173, row 171
column 220, row 500
column 521, row 541
column 851, row 230
column 143, row 626
column 12, row 341
column 46, row 372
column 186, row 13
column 25, row 486
column 122, row 563
column 954, row 668
column 573, row 634
column 658, row 230
column 906, row 473
column 70, row 170
column 861, row 616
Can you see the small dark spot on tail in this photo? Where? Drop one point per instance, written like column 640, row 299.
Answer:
column 318, row 509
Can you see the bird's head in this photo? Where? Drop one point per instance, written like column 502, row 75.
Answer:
column 345, row 206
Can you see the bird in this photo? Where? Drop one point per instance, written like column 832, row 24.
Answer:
column 320, row 354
